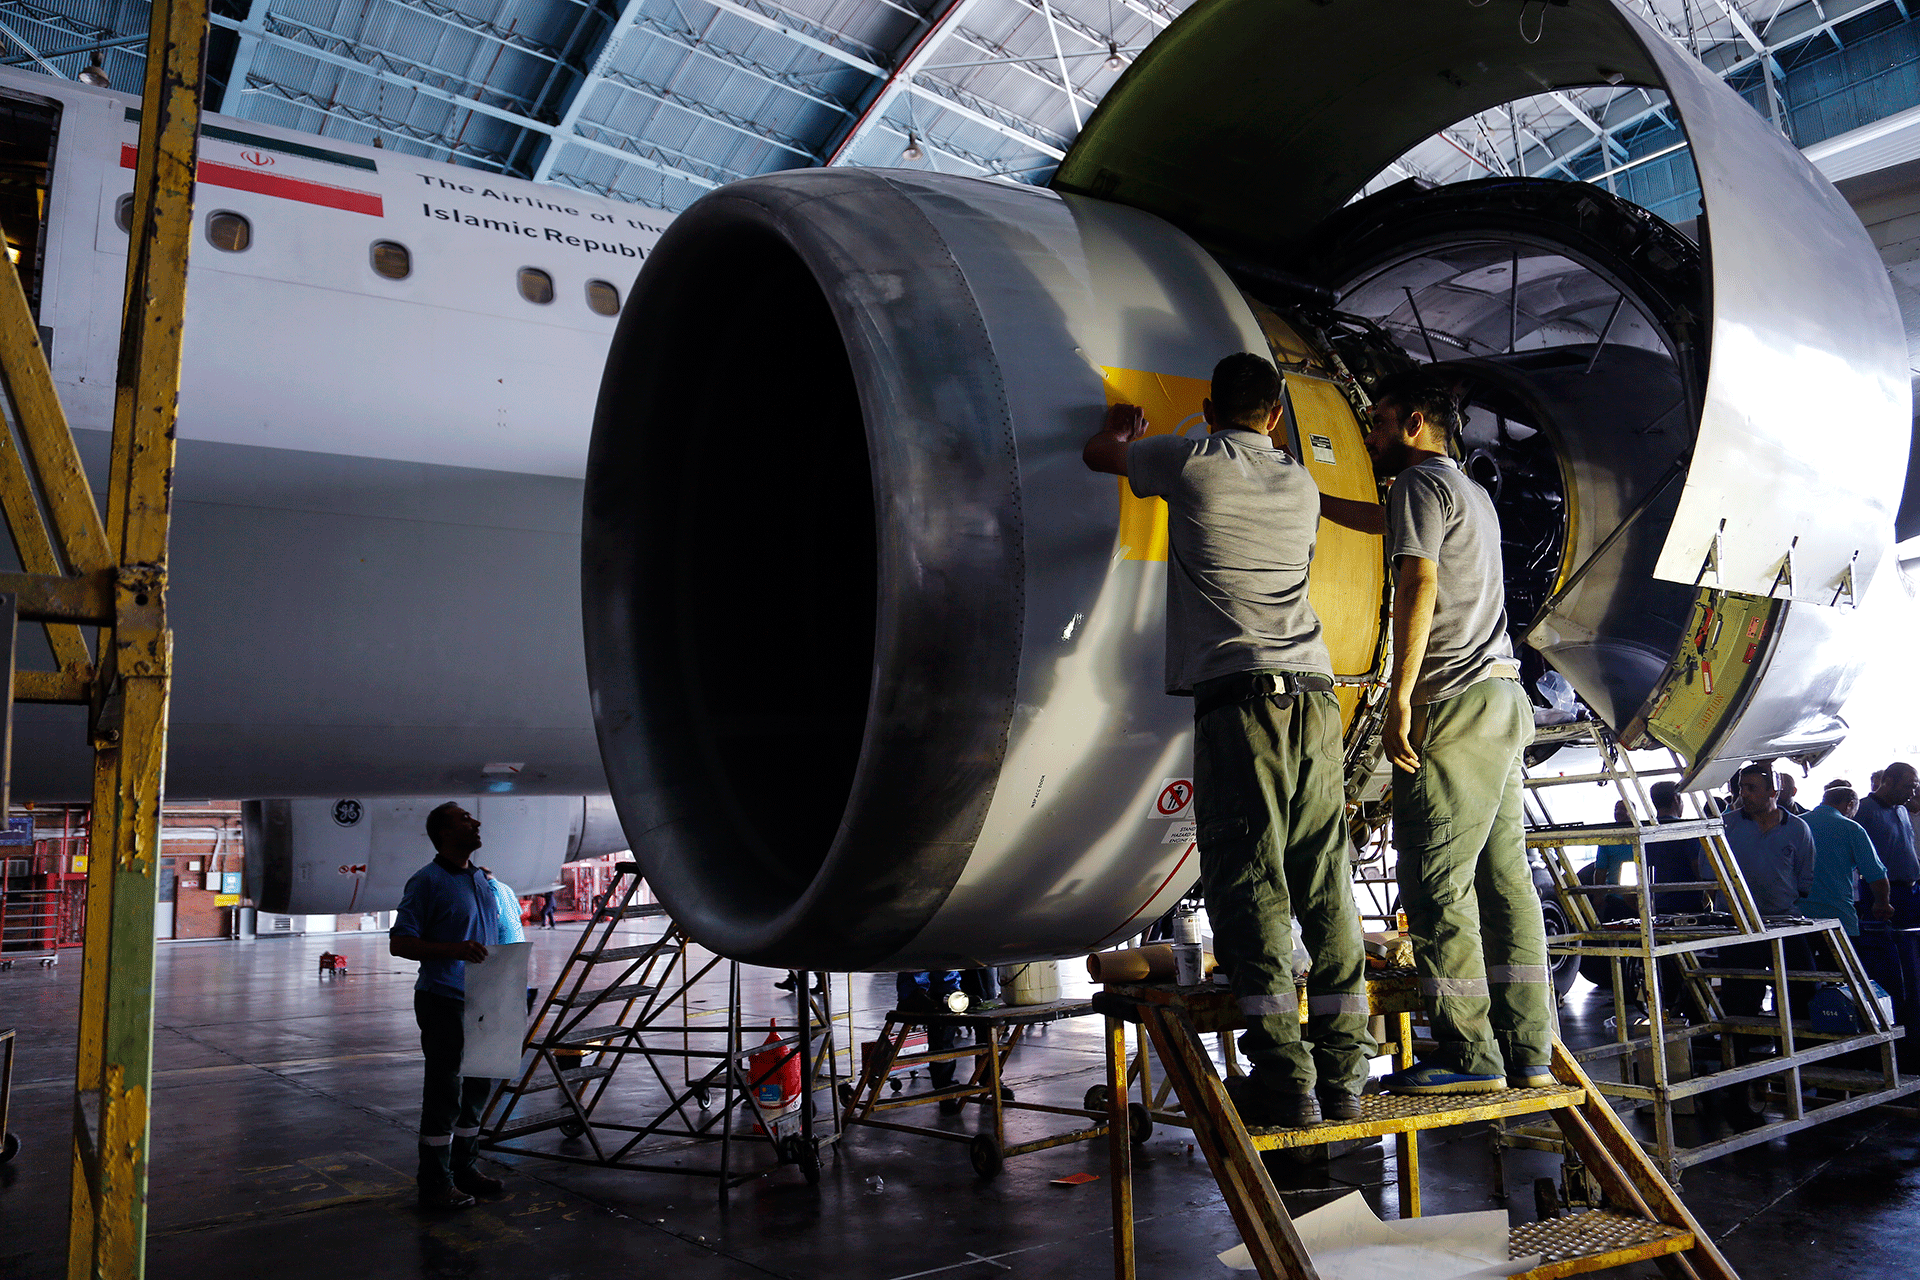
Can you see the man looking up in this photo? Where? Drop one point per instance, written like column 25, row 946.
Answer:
column 1884, row 815
column 1457, row 721
column 448, row 915
column 1244, row 642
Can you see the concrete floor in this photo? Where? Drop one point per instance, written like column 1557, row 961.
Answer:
column 284, row 1108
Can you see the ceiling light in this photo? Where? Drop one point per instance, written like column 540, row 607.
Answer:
column 913, row 151
column 1114, row 60
column 95, row 74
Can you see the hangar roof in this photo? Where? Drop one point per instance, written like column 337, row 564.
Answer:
column 658, row 101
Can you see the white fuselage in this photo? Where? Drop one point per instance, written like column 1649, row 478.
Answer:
column 297, row 342
column 375, row 547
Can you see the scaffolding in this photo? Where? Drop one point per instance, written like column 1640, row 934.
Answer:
column 1663, row 971
column 86, row 566
column 617, row 1005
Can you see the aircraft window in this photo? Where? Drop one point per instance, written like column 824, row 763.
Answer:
column 229, row 232
column 123, row 213
column 392, row 260
column 603, row 298
column 536, row 285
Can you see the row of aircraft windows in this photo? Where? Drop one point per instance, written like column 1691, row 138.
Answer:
column 231, row 232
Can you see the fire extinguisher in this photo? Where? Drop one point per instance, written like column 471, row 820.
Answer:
column 776, row 1090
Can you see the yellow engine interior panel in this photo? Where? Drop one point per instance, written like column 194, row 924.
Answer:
column 1726, row 636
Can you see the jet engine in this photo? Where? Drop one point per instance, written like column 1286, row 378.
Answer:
column 877, row 664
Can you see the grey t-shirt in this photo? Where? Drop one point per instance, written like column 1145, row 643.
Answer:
column 1242, row 517
column 1436, row 513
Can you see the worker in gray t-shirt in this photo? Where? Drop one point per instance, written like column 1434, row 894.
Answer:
column 1457, row 723
column 1242, row 639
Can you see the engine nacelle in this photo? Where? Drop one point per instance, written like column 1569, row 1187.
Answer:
column 875, row 683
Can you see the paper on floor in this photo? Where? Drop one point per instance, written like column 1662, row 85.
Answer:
column 1347, row 1241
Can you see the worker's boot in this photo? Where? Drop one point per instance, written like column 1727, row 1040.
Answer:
column 447, row 1196
column 1338, row 1104
column 1263, row 1108
column 476, row 1183
column 466, row 1174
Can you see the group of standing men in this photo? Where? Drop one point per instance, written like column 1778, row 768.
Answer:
column 1244, row 642
column 1850, row 855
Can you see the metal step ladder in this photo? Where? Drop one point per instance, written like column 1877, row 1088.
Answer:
column 617, row 1003
column 1651, row 1068
column 1642, row 1217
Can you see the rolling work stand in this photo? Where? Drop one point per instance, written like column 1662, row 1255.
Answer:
column 1644, row 1218
column 1651, row 1069
column 617, row 1004
column 1003, row 1029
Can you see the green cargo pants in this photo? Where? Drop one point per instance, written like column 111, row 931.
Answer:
column 1271, row 806
column 1478, row 937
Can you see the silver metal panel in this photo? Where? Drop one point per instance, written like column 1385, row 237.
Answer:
column 1617, row 429
column 1803, row 439
column 1794, row 710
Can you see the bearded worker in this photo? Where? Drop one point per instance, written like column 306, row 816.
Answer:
column 1457, row 722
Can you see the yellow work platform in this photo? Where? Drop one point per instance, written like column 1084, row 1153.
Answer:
column 1385, row 1113
column 1592, row 1241
column 1644, row 1218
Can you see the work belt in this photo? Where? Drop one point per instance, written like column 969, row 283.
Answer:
column 1245, row 686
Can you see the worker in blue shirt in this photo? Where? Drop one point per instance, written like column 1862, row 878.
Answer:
column 1843, row 849
column 1884, row 815
column 448, row 917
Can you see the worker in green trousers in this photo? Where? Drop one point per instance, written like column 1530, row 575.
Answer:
column 1457, row 723
column 1244, row 642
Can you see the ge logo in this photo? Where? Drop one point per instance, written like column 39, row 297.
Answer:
column 1174, row 797
column 346, row 812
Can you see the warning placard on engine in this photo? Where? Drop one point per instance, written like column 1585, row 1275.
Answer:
column 1174, row 799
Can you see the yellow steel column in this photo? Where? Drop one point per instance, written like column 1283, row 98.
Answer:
column 115, row 1067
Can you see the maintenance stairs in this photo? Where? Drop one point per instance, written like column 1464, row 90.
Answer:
column 1642, row 1218
column 1649, row 1062
column 617, row 1004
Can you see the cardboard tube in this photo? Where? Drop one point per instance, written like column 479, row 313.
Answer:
column 1140, row 964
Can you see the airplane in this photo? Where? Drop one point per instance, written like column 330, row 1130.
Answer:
column 884, row 693
column 387, row 388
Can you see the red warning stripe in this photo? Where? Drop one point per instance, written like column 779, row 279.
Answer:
column 1191, row 846
column 215, row 174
